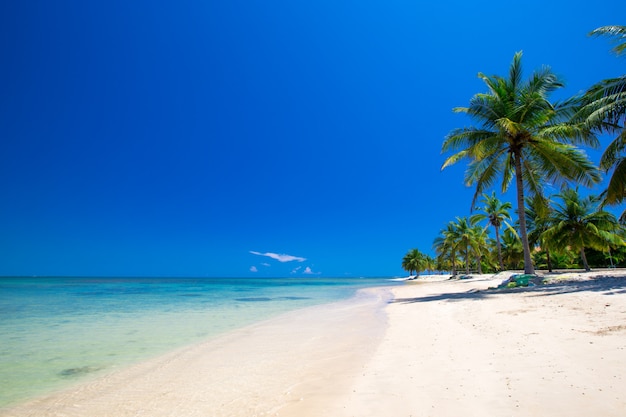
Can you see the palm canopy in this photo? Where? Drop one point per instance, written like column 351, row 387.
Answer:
column 461, row 237
column 413, row 261
column 521, row 135
column 517, row 119
column 496, row 213
column 605, row 111
column 445, row 246
column 578, row 223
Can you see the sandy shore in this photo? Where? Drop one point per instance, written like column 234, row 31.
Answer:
column 453, row 349
column 440, row 348
column 289, row 365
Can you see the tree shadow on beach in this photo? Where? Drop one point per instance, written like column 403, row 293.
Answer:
column 607, row 285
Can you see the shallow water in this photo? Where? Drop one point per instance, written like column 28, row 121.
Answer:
column 58, row 331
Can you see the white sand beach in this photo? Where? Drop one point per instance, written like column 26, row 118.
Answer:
column 451, row 350
column 440, row 348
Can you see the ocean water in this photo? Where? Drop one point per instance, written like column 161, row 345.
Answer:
column 55, row 332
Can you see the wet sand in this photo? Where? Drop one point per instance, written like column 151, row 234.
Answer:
column 288, row 365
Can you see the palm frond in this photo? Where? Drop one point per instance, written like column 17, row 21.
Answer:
column 453, row 159
column 533, row 180
column 467, row 136
column 613, row 151
column 560, row 161
column 573, row 133
column 618, row 32
column 508, row 173
column 616, row 190
column 483, row 173
column 509, row 126
column 515, row 71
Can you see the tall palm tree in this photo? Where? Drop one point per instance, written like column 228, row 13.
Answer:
column 538, row 221
column 522, row 136
column 578, row 223
column 413, row 261
column 605, row 110
column 496, row 213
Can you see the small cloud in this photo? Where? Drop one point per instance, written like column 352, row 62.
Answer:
column 266, row 264
column 280, row 257
column 253, row 269
column 307, row 271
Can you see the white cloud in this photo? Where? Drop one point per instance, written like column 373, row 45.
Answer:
column 253, row 269
column 296, row 270
column 266, row 264
column 279, row 257
column 308, row 270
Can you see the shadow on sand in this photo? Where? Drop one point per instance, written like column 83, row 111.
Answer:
column 608, row 285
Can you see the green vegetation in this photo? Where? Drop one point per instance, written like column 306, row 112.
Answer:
column 416, row 261
column 412, row 261
column 604, row 110
column 496, row 213
column 521, row 136
column 577, row 223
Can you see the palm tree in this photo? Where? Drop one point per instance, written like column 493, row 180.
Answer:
column 496, row 213
column 538, row 220
column 466, row 240
column 479, row 245
column 413, row 261
column 445, row 246
column 605, row 111
column 578, row 223
column 522, row 136
column 429, row 263
column 512, row 250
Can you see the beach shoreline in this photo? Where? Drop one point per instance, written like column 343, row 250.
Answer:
column 434, row 346
column 277, row 366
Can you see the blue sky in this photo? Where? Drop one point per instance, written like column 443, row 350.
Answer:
column 253, row 138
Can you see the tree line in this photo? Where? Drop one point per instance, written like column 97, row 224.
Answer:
column 522, row 137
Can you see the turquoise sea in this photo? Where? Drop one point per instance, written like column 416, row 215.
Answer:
column 59, row 331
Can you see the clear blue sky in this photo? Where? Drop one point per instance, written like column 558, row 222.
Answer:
column 198, row 138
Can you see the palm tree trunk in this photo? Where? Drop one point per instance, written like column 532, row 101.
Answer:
column 453, row 263
column 467, row 271
column 584, row 257
column 478, row 263
column 548, row 260
column 500, row 262
column 528, row 262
